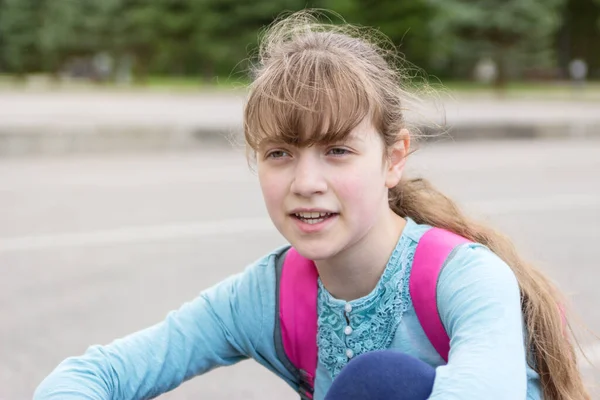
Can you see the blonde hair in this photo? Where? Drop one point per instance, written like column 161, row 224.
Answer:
column 314, row 82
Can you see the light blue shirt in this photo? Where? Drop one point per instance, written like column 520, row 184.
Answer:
column 478, row 301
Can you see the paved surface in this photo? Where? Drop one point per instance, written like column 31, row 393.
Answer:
column 94, row 248
column 92, row 122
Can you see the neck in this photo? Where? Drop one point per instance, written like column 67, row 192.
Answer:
column 354, row 272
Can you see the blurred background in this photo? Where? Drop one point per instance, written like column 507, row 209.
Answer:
column 124, row 187
column 196, row 42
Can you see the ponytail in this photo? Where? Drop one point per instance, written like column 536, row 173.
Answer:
column 553, row 354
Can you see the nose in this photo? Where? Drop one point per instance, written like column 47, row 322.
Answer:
column 308, row 176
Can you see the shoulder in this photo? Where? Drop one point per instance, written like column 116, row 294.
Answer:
column 469, row 262
column 475, row 264
column 473, row 278
column 478, row 290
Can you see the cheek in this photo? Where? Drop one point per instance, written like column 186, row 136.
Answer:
column 273, row 189
column 360, row 190
column 348, row 186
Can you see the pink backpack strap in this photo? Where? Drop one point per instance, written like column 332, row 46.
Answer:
column 436, row 247
column 296, row 324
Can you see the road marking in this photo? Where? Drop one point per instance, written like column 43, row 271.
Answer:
column 138, row 234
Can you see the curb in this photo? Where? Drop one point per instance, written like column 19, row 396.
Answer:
column 17, row 142
column 515, row 131
column 55, row 141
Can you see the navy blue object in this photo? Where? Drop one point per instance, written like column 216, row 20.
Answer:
column 383, row 374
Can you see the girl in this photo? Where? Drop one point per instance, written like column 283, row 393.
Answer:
column 325, row 123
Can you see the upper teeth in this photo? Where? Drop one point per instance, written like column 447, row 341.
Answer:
column 312, row 214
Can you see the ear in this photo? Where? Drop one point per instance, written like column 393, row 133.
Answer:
column 396, row 159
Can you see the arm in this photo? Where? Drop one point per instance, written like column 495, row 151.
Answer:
column 479, row 304
column 217, row 328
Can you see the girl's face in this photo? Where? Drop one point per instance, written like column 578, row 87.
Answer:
column 324, row 199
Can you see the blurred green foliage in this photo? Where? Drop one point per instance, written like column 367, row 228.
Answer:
column 105, row 39
column 504, row 30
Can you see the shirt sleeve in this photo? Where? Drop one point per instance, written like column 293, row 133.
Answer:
column 480, row 307
column 220, row 327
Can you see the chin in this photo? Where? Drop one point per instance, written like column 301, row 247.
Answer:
column 315, row 249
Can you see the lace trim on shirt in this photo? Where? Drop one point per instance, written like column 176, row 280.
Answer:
column 374, row 318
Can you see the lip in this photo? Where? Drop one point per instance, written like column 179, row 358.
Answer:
column 313, row 228
column 299, row 210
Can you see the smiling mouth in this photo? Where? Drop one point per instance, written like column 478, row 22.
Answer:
column 313, row 217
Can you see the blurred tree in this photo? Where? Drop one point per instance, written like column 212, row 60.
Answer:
column 138, row 32
column 41, row 35
column 227, row 31
column 19, row 20
column 74, row 29
column 55, row 32
column 579, row 36
column 405, row 22
column 211, row 38
column 498, row 27
column 193, row 37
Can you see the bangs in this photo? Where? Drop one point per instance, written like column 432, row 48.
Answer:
column 306, row 99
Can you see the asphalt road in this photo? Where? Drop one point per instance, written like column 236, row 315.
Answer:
column 94, row 248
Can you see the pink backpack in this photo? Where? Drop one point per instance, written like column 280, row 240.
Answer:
column 296, row 326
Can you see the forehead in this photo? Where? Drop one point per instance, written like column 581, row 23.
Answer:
column 307, row 106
